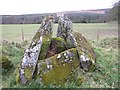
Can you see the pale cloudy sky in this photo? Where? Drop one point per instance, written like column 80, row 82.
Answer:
column 17, row 7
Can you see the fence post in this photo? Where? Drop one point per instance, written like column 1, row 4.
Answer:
column 98, row 37
column 22, row 35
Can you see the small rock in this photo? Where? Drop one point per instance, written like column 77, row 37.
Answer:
column 58, row 56
column 49, row 66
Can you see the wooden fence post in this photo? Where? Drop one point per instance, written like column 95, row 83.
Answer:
column 22, row 35
column 98, row 37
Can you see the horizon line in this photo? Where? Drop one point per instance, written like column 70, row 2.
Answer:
column 54, row 12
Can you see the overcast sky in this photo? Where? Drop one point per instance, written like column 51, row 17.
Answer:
column 17, row 7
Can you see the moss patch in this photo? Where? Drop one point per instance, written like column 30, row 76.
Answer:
column 5, row 62
column 28, row 73
column 36, row 37
column 45, row 46
column 17, row 75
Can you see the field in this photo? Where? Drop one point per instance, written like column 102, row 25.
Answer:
column 90, row 31
column 102, row 37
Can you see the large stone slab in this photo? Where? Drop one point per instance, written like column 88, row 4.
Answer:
column 58, row 68
column 31, row 55
column 64, row 27
column 86, row 53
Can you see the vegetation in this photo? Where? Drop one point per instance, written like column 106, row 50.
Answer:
column 90, row 31
column 76, row 17
column 114, row 12
column 6, row 63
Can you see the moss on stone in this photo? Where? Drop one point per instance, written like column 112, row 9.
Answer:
column 59, row 39
column 45, row 46
column 58, row 75
column 84, row 47
column 58, row 44
column 17, row 75
column 60, row 69
column 36, row 37
column 28, row 73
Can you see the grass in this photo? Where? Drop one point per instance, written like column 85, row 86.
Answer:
column 90, row 31
column 14, row 32
column 106, row 73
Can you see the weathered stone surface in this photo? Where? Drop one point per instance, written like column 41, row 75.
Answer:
column 65, row 31
column 64, row 27
column 47, row 25
column 58, row 68
column 31, row 54
column 86, row 52
column 71, row 41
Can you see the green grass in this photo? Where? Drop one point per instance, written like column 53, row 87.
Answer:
column 91, row 30
column 13, row 32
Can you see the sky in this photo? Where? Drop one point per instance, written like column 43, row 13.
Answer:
column 18, row 7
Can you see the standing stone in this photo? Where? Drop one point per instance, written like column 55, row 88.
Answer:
column 65, row 31
column 75, row 39
column 86, row 53
column 64, row 27
column 30, row 58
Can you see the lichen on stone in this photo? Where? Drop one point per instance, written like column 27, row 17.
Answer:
column 86, row 52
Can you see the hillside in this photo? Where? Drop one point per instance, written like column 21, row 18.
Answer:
column 95, row 11
column 84, row 16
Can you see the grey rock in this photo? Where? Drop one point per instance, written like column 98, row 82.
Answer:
column 64, row 27
column 31, row 54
